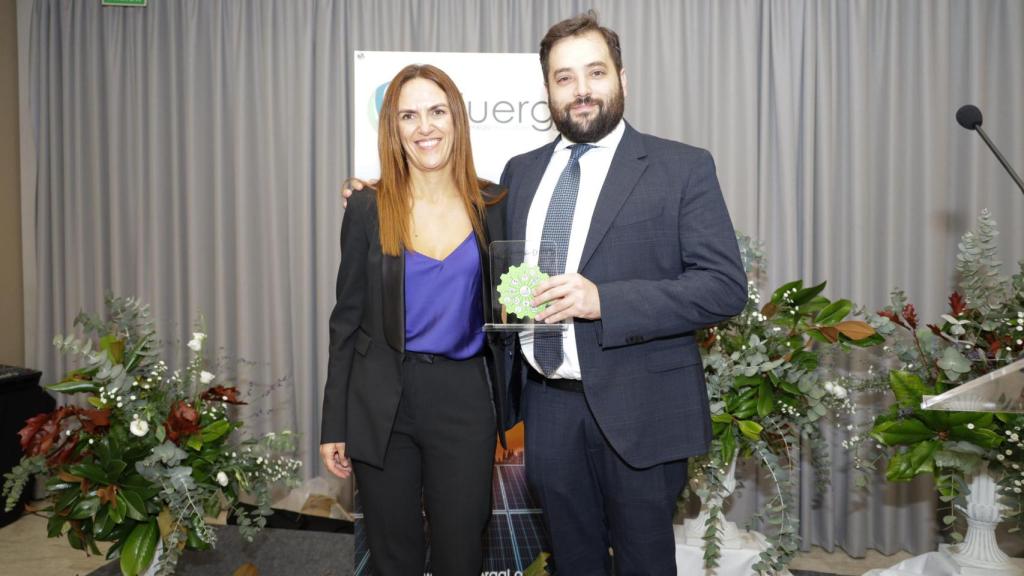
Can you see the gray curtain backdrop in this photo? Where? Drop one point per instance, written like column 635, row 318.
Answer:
column 190, row 153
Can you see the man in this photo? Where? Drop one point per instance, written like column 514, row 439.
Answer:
column 645, row 256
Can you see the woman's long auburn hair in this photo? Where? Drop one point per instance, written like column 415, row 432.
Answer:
column 394, row 206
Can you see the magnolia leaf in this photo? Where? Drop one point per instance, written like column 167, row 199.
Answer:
column 55, row 525
column 904, row 466
column 817, row 304
column 795, row 285
column 750, row 429
column 805, row 295
column 902, row 432
column 103, row 523
column 966, row 463
column 829, row 333
column 118, row 509
column 728, row 445
column 215, row 430
column 138, row 550
column 742, row 381
column 873, row 340
column 908, row 389
column 765, row 399
column 981, row 436
column 855, row 329
column 134, row 505
column 85, row 508
column 834, row 313
column 90, row 471
column 72, row 386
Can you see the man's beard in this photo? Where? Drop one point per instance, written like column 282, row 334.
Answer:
column 598, row 126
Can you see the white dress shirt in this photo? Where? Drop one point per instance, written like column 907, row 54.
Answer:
column 594, row 167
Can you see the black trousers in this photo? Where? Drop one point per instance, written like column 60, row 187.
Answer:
column 440, row 456
column 592, row 499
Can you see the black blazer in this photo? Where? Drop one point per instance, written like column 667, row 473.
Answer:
column 367, row 334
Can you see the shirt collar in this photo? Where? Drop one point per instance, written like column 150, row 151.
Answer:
column 610, row 141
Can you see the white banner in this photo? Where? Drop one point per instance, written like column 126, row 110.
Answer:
column 504, row 94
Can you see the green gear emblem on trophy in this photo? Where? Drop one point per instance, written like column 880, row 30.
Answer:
column 515, row 290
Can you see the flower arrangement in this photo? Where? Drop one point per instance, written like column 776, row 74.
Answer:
column 768, row 393
column 982, row 331
column 151, row 457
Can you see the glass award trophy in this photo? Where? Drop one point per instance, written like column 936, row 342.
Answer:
column 515, row 272
column 1000, row 390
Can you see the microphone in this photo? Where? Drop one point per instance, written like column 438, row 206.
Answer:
column 969, row 116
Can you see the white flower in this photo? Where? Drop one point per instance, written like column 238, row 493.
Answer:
column 205, row 377
column 222, row 478
column 139, row 427
column 196, row 343
column 839, row 392
column 970, row 426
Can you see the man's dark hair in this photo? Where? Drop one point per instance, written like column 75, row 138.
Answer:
column 577, row 26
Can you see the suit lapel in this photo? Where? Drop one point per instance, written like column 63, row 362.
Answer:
column 393, row 283
column 522, row 198
column 628, row 165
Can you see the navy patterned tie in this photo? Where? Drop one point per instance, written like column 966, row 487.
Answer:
column 547, row 346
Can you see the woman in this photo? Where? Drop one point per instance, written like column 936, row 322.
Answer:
column 408, row 405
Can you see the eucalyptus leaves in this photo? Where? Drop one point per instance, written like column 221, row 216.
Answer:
column 768, row 395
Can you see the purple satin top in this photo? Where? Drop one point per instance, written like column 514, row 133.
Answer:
column 443, row 310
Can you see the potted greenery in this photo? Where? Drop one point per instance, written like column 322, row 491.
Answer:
column 768, row 393
column 149, row 455
column 973, row 456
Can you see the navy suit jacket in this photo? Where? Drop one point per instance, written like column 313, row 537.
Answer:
column 663, row 253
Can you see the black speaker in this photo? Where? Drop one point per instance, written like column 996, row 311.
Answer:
column 21, row 398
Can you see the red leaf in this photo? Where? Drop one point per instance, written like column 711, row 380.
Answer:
column 892, row 316
column 31, row 429
column 911, row 315
column 63, row 454
column 222, row 394
column 935, row 329
column 94, row 420
column 957, row 304
column 182, row 421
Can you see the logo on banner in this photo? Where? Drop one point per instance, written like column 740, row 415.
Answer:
column 375, row 104
column 485, row 114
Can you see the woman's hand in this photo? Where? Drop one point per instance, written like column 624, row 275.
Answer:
column 333, row 456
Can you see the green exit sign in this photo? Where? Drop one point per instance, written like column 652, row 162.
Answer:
column 124, row 2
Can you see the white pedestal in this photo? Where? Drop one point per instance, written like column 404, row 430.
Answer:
column 942, row 563
column 735, row 561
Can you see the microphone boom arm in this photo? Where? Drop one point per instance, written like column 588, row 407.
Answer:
column 999, row 156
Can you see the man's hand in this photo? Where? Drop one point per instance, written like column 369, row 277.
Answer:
column 352, row 184
column 568, row 296
column 333, row 456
